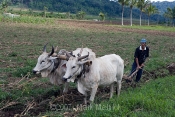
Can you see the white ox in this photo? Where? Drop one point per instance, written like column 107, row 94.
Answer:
column 51, row 65
column 103, row 71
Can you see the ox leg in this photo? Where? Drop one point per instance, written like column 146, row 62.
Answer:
column 111, row 90
column 118, row 87
column 66, row 86
column 93, row 92
column 85, row 100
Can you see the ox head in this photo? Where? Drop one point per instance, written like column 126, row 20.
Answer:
column 46, row 62
column 74, row 67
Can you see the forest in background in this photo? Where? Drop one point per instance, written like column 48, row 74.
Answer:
column 91, row 7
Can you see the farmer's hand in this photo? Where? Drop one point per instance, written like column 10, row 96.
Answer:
column 138, row 67
column 142, row 65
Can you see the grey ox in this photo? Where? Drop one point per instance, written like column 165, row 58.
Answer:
column 102, row 71
column 53, row 65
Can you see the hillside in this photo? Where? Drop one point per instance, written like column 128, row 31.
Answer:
column 162, row 6
column 92, row 7
column 110, row 8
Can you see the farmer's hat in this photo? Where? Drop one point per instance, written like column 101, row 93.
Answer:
column 143, row 40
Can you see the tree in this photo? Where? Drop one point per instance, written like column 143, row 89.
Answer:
column 80, row 15
column 149, row 10
column 30, row 11
column 102, row 16
column 141, row 4
column 21, row 4
column 170, row 13
column 132, row 3
column 123, row 3
column 45, row 10
column 4, row 5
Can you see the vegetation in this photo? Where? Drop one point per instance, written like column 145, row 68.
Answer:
column 170, row 13
column 102, row 16
column 162, row 6
column 111, row 8
column 93, row 7
column 79, row 9
column 132, row 3
column 123, row 3
column 4, row 5
column 80, row 15
column 142, row 4
column 150, row 10
column 45, row 10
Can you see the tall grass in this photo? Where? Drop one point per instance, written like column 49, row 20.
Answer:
column 152, row 27
column 27, row 19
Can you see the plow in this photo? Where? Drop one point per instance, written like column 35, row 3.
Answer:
column 130, row 77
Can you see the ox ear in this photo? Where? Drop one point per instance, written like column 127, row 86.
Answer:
column 88, row 62
column 63, row 67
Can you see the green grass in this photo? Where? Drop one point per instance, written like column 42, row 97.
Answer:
column 156, row 98
column 27, row 19
column 151, row 27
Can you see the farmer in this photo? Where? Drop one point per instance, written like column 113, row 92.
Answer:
column 141, row 53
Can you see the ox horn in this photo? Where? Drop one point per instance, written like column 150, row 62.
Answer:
column 56, row 49
column 44, row 48
column 51, row 51
column 68, row 55
column 63, row 57
column 82, row 57
column 81, row 50
column 55, row 54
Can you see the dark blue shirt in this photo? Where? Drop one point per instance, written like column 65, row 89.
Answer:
column 141, row 54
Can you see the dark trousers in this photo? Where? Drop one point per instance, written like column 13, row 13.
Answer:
column 139, row 73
